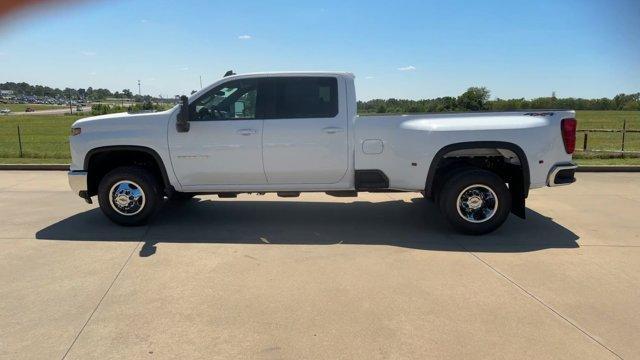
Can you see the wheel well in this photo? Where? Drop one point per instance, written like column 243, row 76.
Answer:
column 100, row 161
column 506, row 160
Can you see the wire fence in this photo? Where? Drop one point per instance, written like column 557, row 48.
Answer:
column 38, row 142
column 613, row 142
column 52, row 142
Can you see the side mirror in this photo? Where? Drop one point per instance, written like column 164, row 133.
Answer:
column 182, row 122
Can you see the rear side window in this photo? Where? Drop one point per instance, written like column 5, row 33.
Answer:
column 306, row 97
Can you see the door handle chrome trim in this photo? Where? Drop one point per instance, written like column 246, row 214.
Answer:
column 332, row 130
column 246, row 132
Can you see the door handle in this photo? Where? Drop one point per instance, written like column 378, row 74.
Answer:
column 246, row 132
column 332, row 130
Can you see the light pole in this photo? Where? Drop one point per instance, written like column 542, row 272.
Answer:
column 139, row 92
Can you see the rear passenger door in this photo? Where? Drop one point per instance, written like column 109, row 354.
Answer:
column 305, row 134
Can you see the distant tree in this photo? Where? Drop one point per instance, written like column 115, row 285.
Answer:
column 381, row 109
column 70, row 93
column 127, row 93
column 474, row 99
column 632, row 105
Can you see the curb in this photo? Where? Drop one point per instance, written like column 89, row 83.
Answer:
column 58, row 167
column 609, row 168
column 65, row 167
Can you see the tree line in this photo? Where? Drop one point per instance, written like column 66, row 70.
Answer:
column 90, row 94
column 478, row 99
column 474, row 99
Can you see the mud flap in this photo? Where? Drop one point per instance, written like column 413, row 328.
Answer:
column 517, row 198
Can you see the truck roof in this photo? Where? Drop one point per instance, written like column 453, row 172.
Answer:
column 272, row 74
column 293, row 73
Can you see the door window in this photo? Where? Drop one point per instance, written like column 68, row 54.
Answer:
column 307, row 97
column 232, row 100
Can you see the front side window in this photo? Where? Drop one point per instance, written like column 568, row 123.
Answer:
column 232, row 100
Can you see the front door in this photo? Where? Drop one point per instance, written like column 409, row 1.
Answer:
column 224, row 143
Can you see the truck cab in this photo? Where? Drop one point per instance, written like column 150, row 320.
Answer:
column 271, row 131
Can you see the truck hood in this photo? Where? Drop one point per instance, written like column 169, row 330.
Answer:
column 121, row 119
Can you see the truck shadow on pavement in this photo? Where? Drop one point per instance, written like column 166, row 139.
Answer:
column 416, row 224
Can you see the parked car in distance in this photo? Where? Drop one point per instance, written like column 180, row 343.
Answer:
column 5, row 111
column 297, row 132
column 29, row 109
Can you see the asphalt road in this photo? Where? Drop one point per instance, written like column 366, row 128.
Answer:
column 374, row 277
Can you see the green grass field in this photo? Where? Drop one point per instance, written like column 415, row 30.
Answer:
column 45, row 137
column 23, row 107
column 591, row 119
column 609, row 120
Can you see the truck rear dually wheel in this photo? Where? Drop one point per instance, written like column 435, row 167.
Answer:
column 475, row 201
column 128, row 195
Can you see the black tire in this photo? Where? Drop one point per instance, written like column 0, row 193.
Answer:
column 481, row 188
column 141, row 210
column 181, row 196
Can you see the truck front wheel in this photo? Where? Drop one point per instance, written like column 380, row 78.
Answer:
column 129, row 195
column 475, row 201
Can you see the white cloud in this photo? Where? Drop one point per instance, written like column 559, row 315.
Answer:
column 184, row 68
column 144, row 21
column 88, row 53
column 407, row 68
column 369, row 77
column 244, row 37
column 92, row 73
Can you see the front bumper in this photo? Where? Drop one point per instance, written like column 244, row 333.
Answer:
column 562, row 174
column 78, row 183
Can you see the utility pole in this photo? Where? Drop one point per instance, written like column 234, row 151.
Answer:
column 139, row 92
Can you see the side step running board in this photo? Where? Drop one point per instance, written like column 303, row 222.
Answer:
column 288, row 194
column 342, row 193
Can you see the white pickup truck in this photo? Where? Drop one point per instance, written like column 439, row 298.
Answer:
column 299, row 132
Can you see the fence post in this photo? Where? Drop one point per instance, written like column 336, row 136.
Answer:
column 624, row 131
column 584, row 143
column 19, row 141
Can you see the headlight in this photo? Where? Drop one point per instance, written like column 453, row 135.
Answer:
column 75, row 131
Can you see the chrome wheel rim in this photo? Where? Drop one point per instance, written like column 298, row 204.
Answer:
column 127, row 198
column 477, row 203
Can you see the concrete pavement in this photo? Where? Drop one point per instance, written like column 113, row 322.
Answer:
column 378, row 276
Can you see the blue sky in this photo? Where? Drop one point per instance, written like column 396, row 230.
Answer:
column 402, row 49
